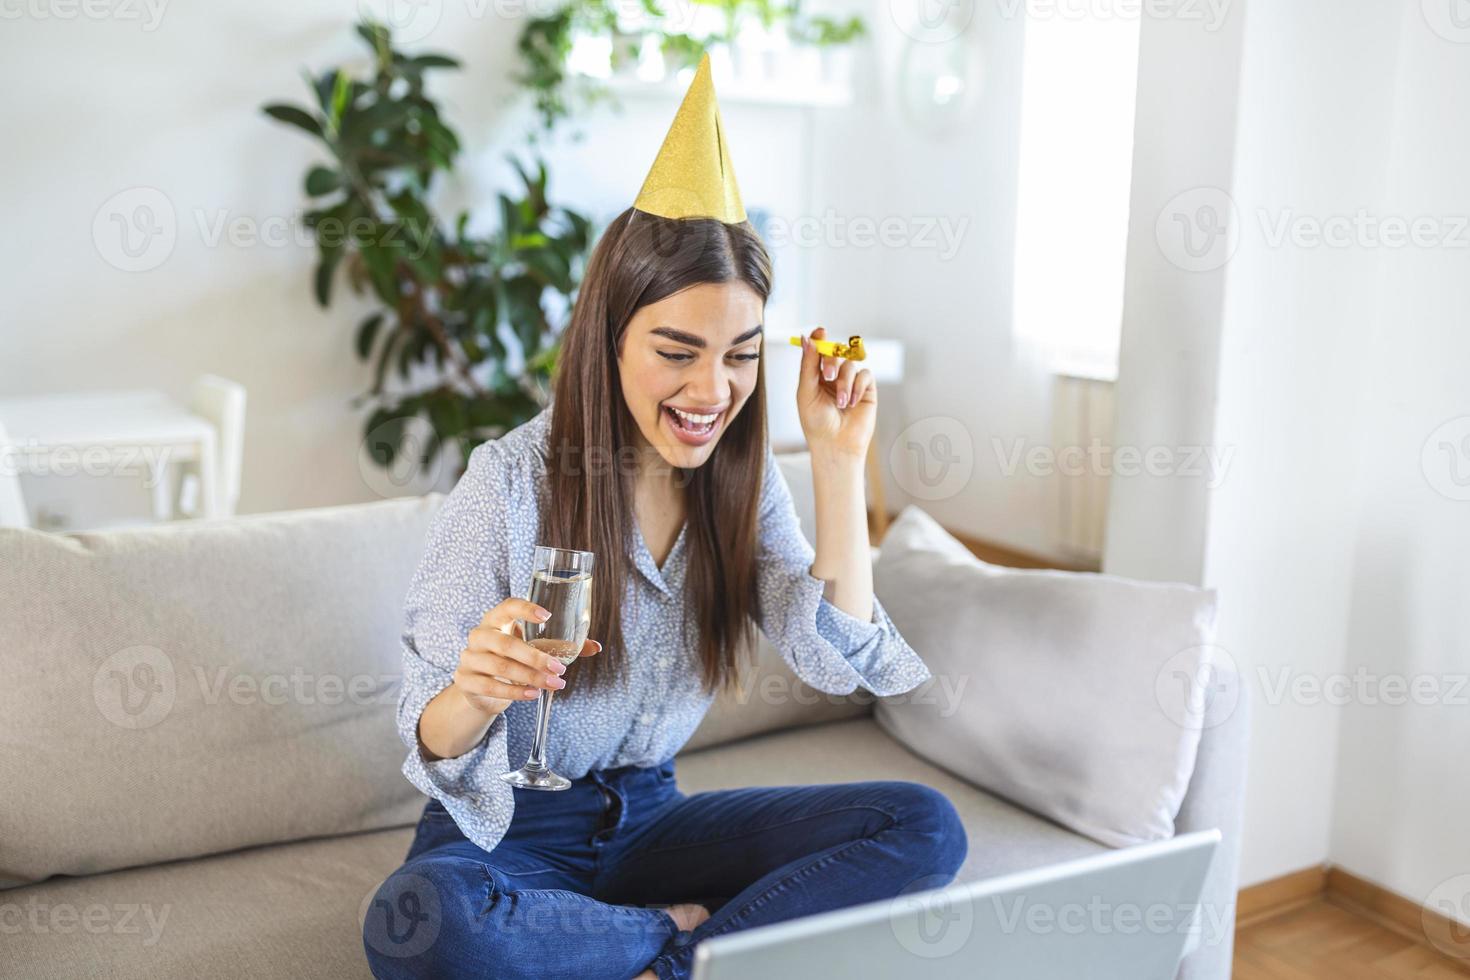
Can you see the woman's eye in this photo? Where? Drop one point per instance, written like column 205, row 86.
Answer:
column 675, row 357
column 747, row 357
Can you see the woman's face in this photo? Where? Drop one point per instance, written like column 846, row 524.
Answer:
column 696, row 352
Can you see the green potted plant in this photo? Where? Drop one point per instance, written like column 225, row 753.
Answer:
column 472, row 312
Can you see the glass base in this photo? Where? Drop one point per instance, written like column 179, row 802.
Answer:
column 528, row 778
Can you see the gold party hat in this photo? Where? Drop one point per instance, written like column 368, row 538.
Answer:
column 692, row 176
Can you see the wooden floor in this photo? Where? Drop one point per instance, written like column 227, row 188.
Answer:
column 1320, row 939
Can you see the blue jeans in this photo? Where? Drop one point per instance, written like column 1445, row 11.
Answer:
column 576, row 887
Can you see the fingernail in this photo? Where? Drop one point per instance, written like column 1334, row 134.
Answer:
column 530, row 692
column 599, row 646
column 543, row 614
column 842, row 400
column 557, row 683
column 557, row 667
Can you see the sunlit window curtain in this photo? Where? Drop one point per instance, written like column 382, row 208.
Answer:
column 1079, row 79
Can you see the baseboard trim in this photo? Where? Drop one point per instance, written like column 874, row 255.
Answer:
column 1417, row 923
column 1271, row 898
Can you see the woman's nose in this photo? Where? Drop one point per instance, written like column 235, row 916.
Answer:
column 711, row 386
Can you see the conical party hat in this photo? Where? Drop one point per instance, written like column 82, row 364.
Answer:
column 692, row 176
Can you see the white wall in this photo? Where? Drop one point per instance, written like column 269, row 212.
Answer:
column 1332, row 551
column 1403, row 789
column 1290, row 381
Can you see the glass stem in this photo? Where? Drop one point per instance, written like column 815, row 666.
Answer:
column 537, row 760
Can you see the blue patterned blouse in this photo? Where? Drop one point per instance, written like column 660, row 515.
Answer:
column 478, row 552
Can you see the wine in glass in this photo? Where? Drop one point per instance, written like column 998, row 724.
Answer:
column 561, row 583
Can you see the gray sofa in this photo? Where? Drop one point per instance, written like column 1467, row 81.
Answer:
column 201, row 772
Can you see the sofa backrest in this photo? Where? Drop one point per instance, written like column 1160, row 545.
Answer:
column 199, row 687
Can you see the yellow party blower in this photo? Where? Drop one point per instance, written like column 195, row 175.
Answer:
column 852, row 350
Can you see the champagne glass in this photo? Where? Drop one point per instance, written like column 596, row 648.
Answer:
column 561, row 582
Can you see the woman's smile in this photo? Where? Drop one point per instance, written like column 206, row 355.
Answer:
column 693, row 426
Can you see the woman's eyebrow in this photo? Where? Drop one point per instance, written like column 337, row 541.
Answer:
column 694, row 340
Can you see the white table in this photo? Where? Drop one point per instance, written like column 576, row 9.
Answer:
column 79, row 432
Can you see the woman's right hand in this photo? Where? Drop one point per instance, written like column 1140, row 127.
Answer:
column 497, row 665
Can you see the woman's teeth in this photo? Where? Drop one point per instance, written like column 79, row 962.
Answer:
column 697, row 424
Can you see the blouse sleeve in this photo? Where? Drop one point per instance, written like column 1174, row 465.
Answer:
column 462, row 575
column 828, row 648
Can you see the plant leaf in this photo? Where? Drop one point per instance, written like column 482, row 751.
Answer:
column 294, row 116
column 321, row 180
column 367, row 332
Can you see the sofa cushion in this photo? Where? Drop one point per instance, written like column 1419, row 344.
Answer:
column 198, row 687
column 1002, row 837
column 1068, row 693
column 287, row 910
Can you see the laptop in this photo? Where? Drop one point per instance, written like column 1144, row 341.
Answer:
column 1121, row 915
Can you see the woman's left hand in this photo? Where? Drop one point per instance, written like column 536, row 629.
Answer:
column 837, row 401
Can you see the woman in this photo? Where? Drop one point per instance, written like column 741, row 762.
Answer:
column 696, row 539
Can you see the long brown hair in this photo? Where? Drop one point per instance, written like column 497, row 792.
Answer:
column 641, row 259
